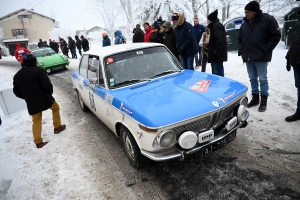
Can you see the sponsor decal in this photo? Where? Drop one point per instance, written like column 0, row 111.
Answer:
column 140, row 135
column 110, row 60
column 109, row 98
column 224, row 99
column 216, row 104
column 200, row 86
column 92, row 101
column 124, row 109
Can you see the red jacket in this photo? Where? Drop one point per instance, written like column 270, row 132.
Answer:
column 18, row 52
column 148, row 34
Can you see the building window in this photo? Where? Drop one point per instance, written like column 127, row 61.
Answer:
column 24, row 16
column 19, row 31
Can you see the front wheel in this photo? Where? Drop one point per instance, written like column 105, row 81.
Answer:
column 131, row 148
column 83, row 107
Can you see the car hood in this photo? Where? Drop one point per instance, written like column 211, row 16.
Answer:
column 176, row 97
column 53, row 59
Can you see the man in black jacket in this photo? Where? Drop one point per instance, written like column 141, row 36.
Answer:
column 53, row 45
column 217, row 44
column 170, row 40
column 32, row 84
column 78, row 44
column 293, row 59
column 40, row 43
column 72, row 47
column 259, row 35
column 84, row 44
column 138, row 35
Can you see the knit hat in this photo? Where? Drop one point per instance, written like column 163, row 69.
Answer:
column 138, row 26
column 252, row 6
column 175, row 16
column 104, row 34
column 213, row 16
column 167, row 25
column 28, row 59
column 155, row 25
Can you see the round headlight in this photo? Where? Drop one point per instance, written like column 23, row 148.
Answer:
column 167, row 138
column 242, row 113
column 244, row 101
column 40, row 62
column 65, row 57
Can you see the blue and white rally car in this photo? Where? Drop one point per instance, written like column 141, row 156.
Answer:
column 160, row 110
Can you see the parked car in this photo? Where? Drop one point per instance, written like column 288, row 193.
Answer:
column 290, row 20
column 49, row 60
column 159, row 110
column 232, row 28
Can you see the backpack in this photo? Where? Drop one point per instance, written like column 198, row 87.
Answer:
column 122, row 41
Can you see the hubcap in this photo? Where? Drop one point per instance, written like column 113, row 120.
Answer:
column 128, row 147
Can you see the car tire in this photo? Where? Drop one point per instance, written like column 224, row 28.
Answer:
column 132, row 150
column 83, row 107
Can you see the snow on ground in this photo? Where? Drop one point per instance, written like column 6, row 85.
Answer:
column 64, row 171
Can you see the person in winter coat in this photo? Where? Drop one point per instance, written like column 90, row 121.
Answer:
column 72, row 47
column 138, row 35
column 198, row 31
column 186, row 43
column 106, row 41
column 148, row 30
column 217, row 44
column 53, row 45
column 18, row 53
column 78, row 44
column 204, row 49
column 45, row 44
column 32, row 84
column 41, row 43
column 64, row 47
column 85, row 44
column 258, row 36
column 157, row 34
column 293, row 59
column 170, row 40
column 118, row 36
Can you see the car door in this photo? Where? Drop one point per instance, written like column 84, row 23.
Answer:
column 83, row 88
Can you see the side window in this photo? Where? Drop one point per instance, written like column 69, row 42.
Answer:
column 84, row 65
column 101, row 79
column 93, row 68
column 229, row 25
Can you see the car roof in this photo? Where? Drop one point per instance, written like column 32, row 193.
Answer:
column 109, row 50
column 38, row 49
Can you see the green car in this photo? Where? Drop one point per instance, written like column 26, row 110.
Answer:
column 49, row 60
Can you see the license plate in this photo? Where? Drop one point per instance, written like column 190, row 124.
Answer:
column 218, row 144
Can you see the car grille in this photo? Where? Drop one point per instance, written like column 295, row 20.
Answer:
column 211, row 121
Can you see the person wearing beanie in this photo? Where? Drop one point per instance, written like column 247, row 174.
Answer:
column 186, row 43
column 138, row 34
column 148, row 30
column 32, row 84
column 157, row 36
column 258, row 36
column 217, row 44
column 106, row 41
column 170, row 40
column 18, row 53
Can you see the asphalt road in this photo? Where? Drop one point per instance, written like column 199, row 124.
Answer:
column 229, row 173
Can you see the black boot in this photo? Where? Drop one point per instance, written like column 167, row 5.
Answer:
column 293, row 117
column 254, row 101
column 263, row 103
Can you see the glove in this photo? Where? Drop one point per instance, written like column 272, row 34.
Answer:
column 288, row 68
column 179, row 51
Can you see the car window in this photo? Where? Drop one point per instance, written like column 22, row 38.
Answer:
column 43, row 52
column 93, row 68
column 230, row 25
column 139, row 64
column 84, row 65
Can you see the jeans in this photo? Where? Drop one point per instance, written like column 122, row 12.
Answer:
column 37, row 122
column 187, row 62
column 198, row 58
column 73, row 52
column 297, row 84
column 257, row 72
column 79, row 50
column 218, row 68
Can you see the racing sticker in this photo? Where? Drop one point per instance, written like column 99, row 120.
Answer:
column 140, row 135
column 200, row 86
column 124, row 109
column 224, row 99
column 109, row 61
column 109, row 98
column 216, row 104
column 92, row 102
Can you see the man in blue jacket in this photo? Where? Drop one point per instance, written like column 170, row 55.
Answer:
column 259, row 35
column 198, row 31
column 186, row 43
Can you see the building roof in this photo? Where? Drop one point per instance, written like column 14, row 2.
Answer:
column 15, row 40
column 21, row 11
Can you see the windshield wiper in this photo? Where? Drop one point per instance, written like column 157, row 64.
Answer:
column 130, row 81
column 165, row 72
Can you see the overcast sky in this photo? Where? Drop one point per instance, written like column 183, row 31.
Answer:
column 70, row 13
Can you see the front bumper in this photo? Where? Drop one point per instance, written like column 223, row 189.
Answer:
column 180, row 153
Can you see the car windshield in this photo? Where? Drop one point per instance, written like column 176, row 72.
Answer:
column 43, row 52
column 139, row 65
